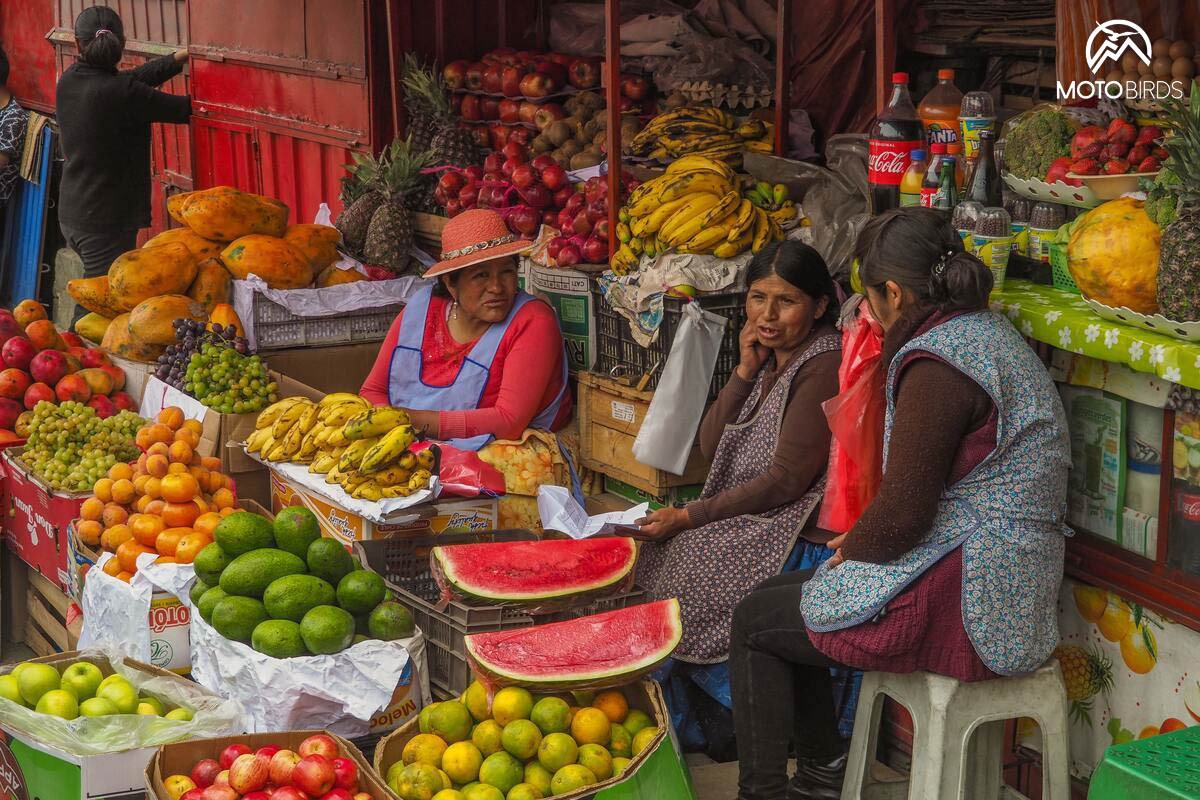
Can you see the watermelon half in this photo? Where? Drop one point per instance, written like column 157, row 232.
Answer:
column 524, row 572
column 609, row 649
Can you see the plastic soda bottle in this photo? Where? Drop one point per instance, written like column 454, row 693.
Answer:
column 939, row 110
column 976, row 113
column 896, row 133
column 946, row 197
column 955, row 151
column 914, row 176
column 929, row 185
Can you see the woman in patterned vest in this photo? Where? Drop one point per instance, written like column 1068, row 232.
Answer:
column 955, row 567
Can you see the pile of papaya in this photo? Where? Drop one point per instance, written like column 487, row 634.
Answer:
column 187, row 272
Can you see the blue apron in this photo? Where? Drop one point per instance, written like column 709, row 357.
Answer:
column 406, row 388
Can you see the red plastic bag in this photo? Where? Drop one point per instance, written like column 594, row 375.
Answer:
column 463, row 473
column 856, row 419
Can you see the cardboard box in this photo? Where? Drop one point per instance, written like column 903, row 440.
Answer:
column 311, row 365
column 676, row 494
column 610, row 416
column 568, row 292
column 33, row 769
column 658, row 771
column 137, row 373
column 37, row 520
column 458, row 515
column 178, row 759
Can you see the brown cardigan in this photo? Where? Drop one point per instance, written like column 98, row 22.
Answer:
column 803, row 447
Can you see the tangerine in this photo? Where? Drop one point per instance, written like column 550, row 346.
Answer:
column 177, row 469
column 188, row 437
column 179, row 488
column 119, row 471
column 112, row 567
column 103, row 490
column 613, row 704
column 162, row 433
column 142, row 438
column 89, row 532
column 125, row 576
column 154, row 488
column 172, row 417
column 168, row 541
column 158, row 449
column 223, row 498
column 139, row 484
column 180, row 452
column 113, row 514
column 123, row 491
column 154, row 507
column 207, row 522
column 165, row 560
column 190, row 545
column 91, row 509
column 146, row 528
column 157, row 465
column 140, row 467
column 211, row 462
column 199, row 473
column 128, row 554
column 194, row 425
column 180, row 515
column 142, row 503
column 117, row 536
column 215, row 481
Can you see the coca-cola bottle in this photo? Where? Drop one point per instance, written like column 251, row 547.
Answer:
column 1183, row 551
column 896, row 133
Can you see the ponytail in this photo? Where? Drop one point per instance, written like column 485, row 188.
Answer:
column 100, row 35
column 104, row 50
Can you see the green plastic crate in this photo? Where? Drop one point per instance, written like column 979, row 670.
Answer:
column 1165, row 767
column 1060, row 276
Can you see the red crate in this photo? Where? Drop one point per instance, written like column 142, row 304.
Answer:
column 36, row 523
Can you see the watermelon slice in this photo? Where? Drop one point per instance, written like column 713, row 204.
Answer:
column 609, row 649
column 524, row 572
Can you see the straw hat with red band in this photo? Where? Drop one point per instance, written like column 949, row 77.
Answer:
column 473, row 237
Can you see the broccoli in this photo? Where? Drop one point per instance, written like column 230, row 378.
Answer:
column 1035, row 140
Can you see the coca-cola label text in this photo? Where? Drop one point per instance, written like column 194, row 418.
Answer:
column 887, row 160
column 1187, row 505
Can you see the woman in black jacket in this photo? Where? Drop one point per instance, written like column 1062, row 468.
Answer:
column 104, row 118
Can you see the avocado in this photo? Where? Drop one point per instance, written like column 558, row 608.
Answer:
column 237, row 617
column 327, row 629
column 295, row 529
column 278, row 638
column 208, row 601
column 360, row 591
column 197, row 591
column 328, row 560
column 390, row 621
column 251, row 573
column 210, row 563
column 292, row 596
column 243, row 531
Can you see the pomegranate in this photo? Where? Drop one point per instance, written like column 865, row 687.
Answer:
column 124, row 402
column 9, row 328
column 14, row 383
column 94, row 357
column 555, row 177
column 72, row 339
column 104, row 407
column 9, row 411
column 49, row 366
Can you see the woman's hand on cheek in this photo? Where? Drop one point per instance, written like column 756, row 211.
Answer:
column 751, row 354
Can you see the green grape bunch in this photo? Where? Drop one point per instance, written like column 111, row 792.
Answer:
column 228, row 381
column 70, row 447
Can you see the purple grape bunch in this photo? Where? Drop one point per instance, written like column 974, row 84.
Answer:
column 190, row 336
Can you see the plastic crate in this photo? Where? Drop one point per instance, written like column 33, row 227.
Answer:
column 276, row 328
column 404, row 565
column 1159, row 768
column 1060, row 275
column 618, row 355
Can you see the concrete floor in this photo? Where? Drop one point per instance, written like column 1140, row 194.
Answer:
column 711, row 780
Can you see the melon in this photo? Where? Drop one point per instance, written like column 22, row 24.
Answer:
column 521, row 572
column 609, row 649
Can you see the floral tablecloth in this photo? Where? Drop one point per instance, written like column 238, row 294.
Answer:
column 1063, row 320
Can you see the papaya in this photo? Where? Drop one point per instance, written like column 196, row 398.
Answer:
column 228, row 215
column 152, row 271
column 213, row 284
column 318, row 243
column 332, row 276
column 95, row 295
column 270, row 258
column 201, row 248
column 176, row 202
column 151, row 321
column 92, row 327
column 224, row 315
column 119, row 341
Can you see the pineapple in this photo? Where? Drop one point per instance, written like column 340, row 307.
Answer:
column 431, row 114
column 1086, row 674
column 1179, row 251
column 390, row 231
column 360, row 197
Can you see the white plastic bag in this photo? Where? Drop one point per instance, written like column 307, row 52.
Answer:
column 669, row 428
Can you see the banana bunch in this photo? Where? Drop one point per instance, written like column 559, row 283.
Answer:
column 695, row 206
column 774, row 200
column 701, row 130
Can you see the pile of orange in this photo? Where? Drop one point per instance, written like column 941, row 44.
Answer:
column 167, row 502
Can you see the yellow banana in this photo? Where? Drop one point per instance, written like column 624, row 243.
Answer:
column 680, row 185
column 374, row 422
column 309, row 418
column 387, row 449
column 323, row 464
column 354, row 453
column 752, row 129
column 396, row 491
column 426, row 459
column 729, row 249
column 743, row 220
column 759, row 146
column 392, row 476
column 339, row 413
column 268, row 415
column 278, row 450
column 334, row 475
column 705, row 240
column 776, row 231
column 660, row 215
column 419, row 480
column 689, row 163
column 290, row 417
column 256, row 440
column 368, row 490
column 762, row 230
column 337, row 439
column 333, row 398
column 687, row 221
column 783, row 214
column 724, row 207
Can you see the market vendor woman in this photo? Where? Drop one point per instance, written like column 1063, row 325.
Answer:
column 473, row 357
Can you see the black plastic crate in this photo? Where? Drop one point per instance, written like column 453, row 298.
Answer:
column 618, row 355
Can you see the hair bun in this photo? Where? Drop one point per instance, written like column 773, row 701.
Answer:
column 959, row 280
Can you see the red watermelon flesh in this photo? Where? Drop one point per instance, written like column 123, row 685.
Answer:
column 609, row 649
column 522, row 572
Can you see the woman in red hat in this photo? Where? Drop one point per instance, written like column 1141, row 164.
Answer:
column 473, row 357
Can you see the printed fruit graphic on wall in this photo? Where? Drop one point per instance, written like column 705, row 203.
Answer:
column 1139, row 650
column 1116, row 621
column 1086, row 674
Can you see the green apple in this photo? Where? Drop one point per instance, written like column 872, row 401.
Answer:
column 9, row 689
column 83, row 679
column 181, row 714
column 154, row 703
column 147, row 710
column 59, row 703
column 18, row 669
column 123, row 696
column 98, row 707
column 37, row 679
column 109, row 681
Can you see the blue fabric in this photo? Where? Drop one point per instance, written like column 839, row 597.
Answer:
column 713, row 679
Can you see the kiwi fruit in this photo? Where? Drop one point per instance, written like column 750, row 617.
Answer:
column 569, row 148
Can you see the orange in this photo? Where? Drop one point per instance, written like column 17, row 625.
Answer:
column 154, row 507
column 211, row 462
column 207, row 522
column 158, row 449
column 223, row 498
column 190, row 545
column 117, row 536
column 172, row 417
column 157, row 465
column 139, row 484
column 146, row 528
column 165, row 560
column 154, row 488
column 125, row 576
column 119, row 471
column 91, row 508
column 613, row 704
column 168, row 540
column 177, row 469
column 225, row 512
column 161, row 433
column 123, row 491
column 188, row 437
column 212, row 481
column 180, row 452
column 142, row 503
column 103, row 490
column 112, row 567
column 128, row 554
column 89, row 532
column 194, row 425
column 114, row 514
column 199, row 473
column 179, row 488
column 180, row 515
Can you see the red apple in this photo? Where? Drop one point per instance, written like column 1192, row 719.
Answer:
column 248, row 773
column 537, row 196
column 544, row 161
column 538, row 84
column 525, row 220
column 455, row 74
column 595, row 250
column 205, row 772
column 492, row 76
column 471, row 109
column 555, row 177
column 569, row 256
column 281, row 766
column 193, row 794
column 522, row 136
column 597, row 210
column 553, row 69
column 575, row 203
column 510, row 80
column 548, row 113
column 498, row 135
column 510, row 110
column 506, row 55
column 288, row 793
column 318, row 744
column 635, row 87
column 453, row 208
column 600, row 229
column 550, row 217
column 582, row 224
column 509, row 165
column 527, row 112
column 456, row 103
column 492, row 163
column 482, row 139
column 314, row 774
column 515, row 150
column 474, row 77
column 555, row 246
column 565, row 218
column 468, row 196
column 584, row 73
column 595, row 189
column 222, row 778
column 345, row 773
column 220, row 792
column 336, row 793
column 489, row 109
column 562, row 196
column 261, row 794
column 524, row 176
column 230, row 754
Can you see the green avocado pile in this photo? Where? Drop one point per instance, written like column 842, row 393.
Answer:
column 286, row 591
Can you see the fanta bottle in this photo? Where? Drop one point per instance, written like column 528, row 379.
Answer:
column 939, row 110
column 914, row 176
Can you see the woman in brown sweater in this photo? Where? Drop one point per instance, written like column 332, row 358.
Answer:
column 768, row 442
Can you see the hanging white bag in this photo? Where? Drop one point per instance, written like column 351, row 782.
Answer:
column 669, row 429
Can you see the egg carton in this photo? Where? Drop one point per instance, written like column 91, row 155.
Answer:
column 730, row 96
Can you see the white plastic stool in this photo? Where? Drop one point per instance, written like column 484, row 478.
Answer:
column 948, row 763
